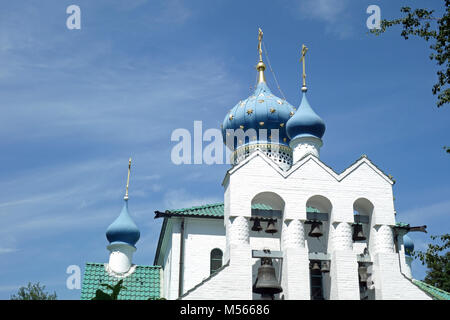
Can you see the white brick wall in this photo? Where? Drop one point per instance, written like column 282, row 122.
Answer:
column 295, row 277
column 344, row 276
column 390, row 284
column 232, row 283
column 202, row 236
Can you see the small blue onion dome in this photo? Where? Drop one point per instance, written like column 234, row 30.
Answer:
column 305, row 122
column 123, row 229
column 408, row 244
column 262, row 110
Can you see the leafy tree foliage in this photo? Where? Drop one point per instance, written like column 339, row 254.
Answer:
column 33, row 292
column 101, row 295
column 423, row 23
column 437, row 259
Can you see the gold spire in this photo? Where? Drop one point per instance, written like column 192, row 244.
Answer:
column 302, row 59
column 128, row 180
column 260, row 66
column 260, row 36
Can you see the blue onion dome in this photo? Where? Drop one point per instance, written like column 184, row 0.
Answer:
column 305, row 122
column 123, row 229
column 408, row 244
column 262, row 110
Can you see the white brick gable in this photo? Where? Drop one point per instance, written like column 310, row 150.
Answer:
column 309, row 182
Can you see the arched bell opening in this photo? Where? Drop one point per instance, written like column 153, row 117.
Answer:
column 317, row 225
column 361, row 229
column 265, row 236
column 361, row 235
column 317, row 230
column 266, row 221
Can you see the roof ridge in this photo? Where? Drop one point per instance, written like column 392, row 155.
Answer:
column 208, row 206
column 217, row 204
column 147, row 266
column 215, row 273
column 137, row 265
column 440, row 293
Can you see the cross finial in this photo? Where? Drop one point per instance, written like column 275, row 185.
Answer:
column 260, row 66
column 302, row 59
column 260, row 36
column 128, row 179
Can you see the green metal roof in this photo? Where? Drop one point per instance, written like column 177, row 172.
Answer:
column 402, row 225
column 215, row 210
column 436, row 293
column 208, row 210
column 142, row 284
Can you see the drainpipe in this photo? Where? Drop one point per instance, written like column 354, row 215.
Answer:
column 181, row 269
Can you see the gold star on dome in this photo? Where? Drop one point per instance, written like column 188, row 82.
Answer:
column 272, row 110
column 241, row 126
column 279, row 102
column 261, row 101
column 291, row 114
column 261, row 123
column 284, row 139
column 249, row 111
column 231, row 117
column 282, row 125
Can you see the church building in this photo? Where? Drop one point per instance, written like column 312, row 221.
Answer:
column 289, row 226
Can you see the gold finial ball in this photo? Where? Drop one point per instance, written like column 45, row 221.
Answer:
column 260, row 66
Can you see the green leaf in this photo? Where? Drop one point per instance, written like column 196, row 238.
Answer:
column 100, row 295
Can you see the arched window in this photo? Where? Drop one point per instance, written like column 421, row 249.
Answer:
column 216, row 260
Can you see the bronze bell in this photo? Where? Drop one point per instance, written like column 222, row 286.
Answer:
column 315, row 229
column 256, row 225
column 363, row 276
column 266, row 282
column 325, row 267
column 271, row 227
column 358, row 234
column 315, row 266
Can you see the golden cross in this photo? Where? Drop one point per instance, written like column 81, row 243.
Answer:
column 128, row 179
column 260, row 36
column 302, row 59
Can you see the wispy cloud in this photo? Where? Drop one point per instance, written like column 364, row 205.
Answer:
column 330, row 12
column 180, row 198
column 426, row 214
column 174, row 11
column 7, row 250
column 10, row 287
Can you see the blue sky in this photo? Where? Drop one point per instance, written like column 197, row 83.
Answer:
column 77, row 103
